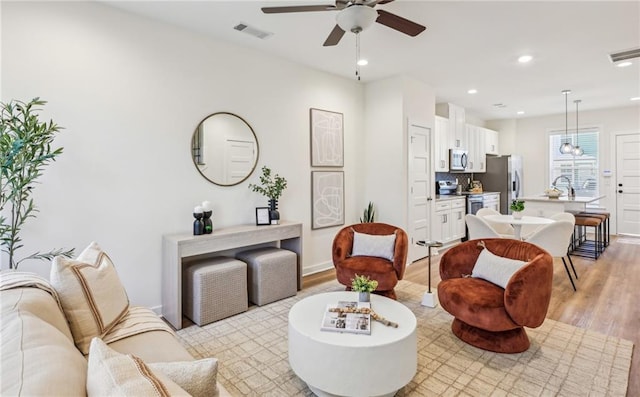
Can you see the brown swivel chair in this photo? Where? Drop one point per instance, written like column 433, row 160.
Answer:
column 486, row 315
column 386, row 272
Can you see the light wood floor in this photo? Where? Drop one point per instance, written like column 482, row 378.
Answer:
column 607, row 300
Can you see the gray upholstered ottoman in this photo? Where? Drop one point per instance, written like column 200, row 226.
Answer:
column 272, row 274
column 213, row 289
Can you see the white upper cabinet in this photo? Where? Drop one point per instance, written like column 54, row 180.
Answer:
column 441, row 145
column 457, row 123
column 477, row 161
column 492, row 141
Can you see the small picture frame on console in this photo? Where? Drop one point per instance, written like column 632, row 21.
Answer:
column 262, row 216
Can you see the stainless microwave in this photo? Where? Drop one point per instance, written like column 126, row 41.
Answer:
column 458, row 159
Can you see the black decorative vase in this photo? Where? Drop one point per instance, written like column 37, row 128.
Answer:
column 198, row 225
column 274, row 215
column 208, row 224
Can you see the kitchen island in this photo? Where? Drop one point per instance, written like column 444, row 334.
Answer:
column 546, row 206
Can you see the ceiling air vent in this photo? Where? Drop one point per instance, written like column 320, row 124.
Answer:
column 625, row 55
column 261, row 34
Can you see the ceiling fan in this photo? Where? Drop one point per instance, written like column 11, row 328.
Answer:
column 354, row 16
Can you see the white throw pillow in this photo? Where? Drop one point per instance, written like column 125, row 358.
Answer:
column 91, row 294
column 198, row 378
column 495, row 269
column 381, row 246
column 111, row 373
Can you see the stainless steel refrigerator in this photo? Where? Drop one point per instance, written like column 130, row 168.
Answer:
column 504, row 175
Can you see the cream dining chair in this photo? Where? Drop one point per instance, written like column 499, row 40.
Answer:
column 555, row 239
column 479, row 228
column 503, row 229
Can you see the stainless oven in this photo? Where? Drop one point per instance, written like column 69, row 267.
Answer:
column 474, row 203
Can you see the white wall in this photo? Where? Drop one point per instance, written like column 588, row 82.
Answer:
column 529, row 138
column 389, row 104
column 130, row 92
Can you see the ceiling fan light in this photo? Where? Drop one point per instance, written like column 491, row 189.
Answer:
column 356, row 18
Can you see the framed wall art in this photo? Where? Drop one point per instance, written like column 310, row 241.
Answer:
column 327, row 199
column 327, row 138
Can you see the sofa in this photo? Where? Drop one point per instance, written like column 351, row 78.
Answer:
column 39, row 356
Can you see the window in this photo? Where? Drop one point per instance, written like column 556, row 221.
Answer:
column 581, row 170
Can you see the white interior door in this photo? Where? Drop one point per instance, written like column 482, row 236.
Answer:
column 628, row 184
column 238, row 159
column 419, row 189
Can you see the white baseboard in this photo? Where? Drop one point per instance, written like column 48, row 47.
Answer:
column 320, row 267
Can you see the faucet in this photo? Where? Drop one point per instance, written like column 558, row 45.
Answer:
column 570, row 190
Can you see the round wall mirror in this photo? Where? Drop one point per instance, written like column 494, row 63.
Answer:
column 224, row 149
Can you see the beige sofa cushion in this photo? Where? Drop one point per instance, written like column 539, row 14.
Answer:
column 91, row 294
column 198, row 378
column 113, row 374
column 37, row 352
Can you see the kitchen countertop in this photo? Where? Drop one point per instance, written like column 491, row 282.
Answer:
column 577, row 199
column 463, row 195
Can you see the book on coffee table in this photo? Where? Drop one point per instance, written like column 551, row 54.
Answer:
column 342, row 320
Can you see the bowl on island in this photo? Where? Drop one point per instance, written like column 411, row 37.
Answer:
column 553, row 193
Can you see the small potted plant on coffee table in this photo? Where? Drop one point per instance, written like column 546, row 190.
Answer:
column 517, row 206
column 364, row 286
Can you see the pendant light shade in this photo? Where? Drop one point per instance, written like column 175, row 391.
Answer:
column 577, row 150
column 566, row 147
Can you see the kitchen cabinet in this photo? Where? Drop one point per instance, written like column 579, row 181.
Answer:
column 491, row 141
column 491, row 200
column 477, row 149
column 441, row 145
column 457, row 124
column 448, row 220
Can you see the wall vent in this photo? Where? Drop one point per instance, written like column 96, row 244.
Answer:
column 261, row 34
column 625, row 55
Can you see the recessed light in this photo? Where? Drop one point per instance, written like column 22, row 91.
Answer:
column 363, row 62
column 520, row 112
column 525, row 58
column 636, row 98
column 472, row 91
column 624, row 64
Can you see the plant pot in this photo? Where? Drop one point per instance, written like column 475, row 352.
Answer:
column 364, row 296
column 517, row 214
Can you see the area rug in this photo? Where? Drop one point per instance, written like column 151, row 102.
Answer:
column 563, row 360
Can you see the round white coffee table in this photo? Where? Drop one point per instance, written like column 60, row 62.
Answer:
column 344, row 364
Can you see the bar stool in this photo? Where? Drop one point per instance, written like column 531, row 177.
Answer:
column 604, row 216
column 582, row 245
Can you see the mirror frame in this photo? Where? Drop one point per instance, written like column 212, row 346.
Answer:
column 193, row 149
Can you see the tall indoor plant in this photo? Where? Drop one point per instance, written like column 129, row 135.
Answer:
column 25, row 151
column 271, row 186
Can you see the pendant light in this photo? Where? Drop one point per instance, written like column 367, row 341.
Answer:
column 566, row 147
column 577, row 150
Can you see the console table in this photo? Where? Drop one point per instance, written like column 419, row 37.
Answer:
column 176, row 247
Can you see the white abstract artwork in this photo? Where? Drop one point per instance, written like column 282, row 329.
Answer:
column 326, row 138
column 327, row 195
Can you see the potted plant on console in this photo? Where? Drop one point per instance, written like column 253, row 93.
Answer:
column 271, row 186
column 517, row 206
column 364, row 286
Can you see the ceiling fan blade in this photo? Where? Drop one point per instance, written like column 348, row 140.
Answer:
column 280, row 10
column 334, row 37
column 385, row 1
column 400, row 24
